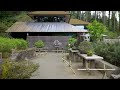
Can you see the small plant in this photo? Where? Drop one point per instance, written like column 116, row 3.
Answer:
column 89, row 53
column 39, row 44
column 74, row 48
column 71, row 42
column 85, row 46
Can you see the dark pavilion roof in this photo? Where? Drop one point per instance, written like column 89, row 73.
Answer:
column 49, row 13
column 43, row 27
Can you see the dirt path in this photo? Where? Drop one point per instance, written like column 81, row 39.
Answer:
column 52, row 67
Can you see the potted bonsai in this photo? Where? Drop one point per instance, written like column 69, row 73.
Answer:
column 71, row 43
column 89, row 53
column 39, row 44
column 84, row 47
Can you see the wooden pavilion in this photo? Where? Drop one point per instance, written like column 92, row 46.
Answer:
column 47, row 26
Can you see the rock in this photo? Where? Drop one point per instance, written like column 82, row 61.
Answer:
column 21, row 55
column 115, row 74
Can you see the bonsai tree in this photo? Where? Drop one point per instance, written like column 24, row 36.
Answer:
column 85, row 46
column 39, row 44
column 89, row 53
column 72, row 42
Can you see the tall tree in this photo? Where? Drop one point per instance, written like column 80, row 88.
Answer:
column 86, row 15
column 113, row 21
column 80, row 15
column 104, row 17
column 95, row 15
column 99, row 16
column 109, row 20
column 119, row 19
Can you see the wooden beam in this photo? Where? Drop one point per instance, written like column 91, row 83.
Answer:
column 69, row 64
column 96, row 69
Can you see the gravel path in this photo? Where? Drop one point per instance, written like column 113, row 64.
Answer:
column 52, row 67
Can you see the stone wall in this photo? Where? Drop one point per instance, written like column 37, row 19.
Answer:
column 100, row 65
column 111, row 40
column 23, row 54
column 49, row 40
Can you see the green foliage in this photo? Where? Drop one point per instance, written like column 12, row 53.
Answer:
column 110, row 52
column 96, row 30
column 7, row 44
column 39, row 44
column 72, row 42
column 112, row 35
column 85, row 46
column 5, row 35
column 17, row 70
column 8, row 18
column 3, row 27
column 20, row 44
column 89, row 53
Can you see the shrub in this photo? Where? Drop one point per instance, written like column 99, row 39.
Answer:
column 112, row 35
column 109, row 51
column 39, row 44
column 17, row 70
column 85, row 46
column 7, row 44
column 20, row 44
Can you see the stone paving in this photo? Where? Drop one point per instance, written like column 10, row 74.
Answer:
column 52, row 67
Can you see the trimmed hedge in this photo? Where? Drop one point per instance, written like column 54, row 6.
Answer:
column 7, row 44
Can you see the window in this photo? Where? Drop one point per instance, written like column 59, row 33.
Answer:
column 49, row 18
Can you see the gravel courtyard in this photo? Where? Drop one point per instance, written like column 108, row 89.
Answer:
column 52, row 67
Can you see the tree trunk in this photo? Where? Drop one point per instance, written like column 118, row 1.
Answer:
column 119, row 19
column 80, row 15
column 109, row 20
column 95, row 15
column 114, row 21
column 103, row 17
column 86, row 15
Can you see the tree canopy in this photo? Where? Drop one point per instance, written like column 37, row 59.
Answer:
column 96, row 30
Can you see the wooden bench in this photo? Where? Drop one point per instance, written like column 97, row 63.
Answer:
column 72, row 54
column 90, row 60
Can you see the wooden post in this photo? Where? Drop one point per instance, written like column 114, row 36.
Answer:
column 92, row 63
column 104, row 75
column 78, row 38
column 84, row 62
